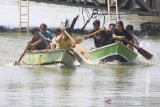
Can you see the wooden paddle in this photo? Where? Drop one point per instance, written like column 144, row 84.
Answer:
column 143, row 52
column 91, row 34
column 84, row 53
column 18, row 62
column 79, row 38
column 78, row 57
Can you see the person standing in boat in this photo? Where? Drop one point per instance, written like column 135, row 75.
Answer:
column 58, row 32
column 103, row 37
column 38, row 42
column 121, row 34
column 63, row 41
column 130, row 29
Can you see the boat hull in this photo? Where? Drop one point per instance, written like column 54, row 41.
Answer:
column 42, row 57
column 113, row 52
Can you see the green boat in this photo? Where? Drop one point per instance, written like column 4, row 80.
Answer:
column 113, row 52
column 42, row 57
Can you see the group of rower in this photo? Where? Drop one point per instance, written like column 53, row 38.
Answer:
column 43, row 39
column 115, row 32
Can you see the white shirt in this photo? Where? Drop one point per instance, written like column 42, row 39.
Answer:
column 53, row 43
column 135, row 39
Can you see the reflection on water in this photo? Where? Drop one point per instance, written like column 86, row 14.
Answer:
column 85, row 85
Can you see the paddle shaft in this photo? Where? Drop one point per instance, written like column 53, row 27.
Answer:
column 22, row 54
column 20, row 58
column 79, row 59
column 89, row 35
column 69, row 36
column 130, row 43
column 77, row 56
column 80, row 48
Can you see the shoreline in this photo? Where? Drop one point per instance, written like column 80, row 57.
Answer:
column 16, row 29
column 52, row 18
column 4, row 29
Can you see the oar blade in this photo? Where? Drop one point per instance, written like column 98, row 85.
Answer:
column 78, row 57
column 16, row 63
column 25, row 50
column 144, row 53
column 78, row 39
column 84, row 53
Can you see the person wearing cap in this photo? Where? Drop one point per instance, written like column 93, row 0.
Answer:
column 103, row 37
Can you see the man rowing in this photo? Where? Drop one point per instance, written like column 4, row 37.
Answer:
column 103, row 37
column 38, row 42
column 58, row 32
column 121, row 34
column 63, row 41
column 130, row 29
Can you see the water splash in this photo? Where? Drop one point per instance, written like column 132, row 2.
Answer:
column 147, row 83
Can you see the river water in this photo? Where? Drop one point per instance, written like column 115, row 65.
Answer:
column 89, row 85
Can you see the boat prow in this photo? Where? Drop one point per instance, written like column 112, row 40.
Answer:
column 113, row 52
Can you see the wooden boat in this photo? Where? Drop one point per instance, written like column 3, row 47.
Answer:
column 113, row 52
column 42, row 57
